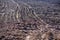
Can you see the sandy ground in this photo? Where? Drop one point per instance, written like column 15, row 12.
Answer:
column 32, row 20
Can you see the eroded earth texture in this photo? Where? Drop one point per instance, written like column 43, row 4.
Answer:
column 29, row 20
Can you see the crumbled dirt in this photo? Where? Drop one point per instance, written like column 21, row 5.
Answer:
column 32, row 20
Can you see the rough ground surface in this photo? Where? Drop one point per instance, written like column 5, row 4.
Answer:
column 29, row 20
